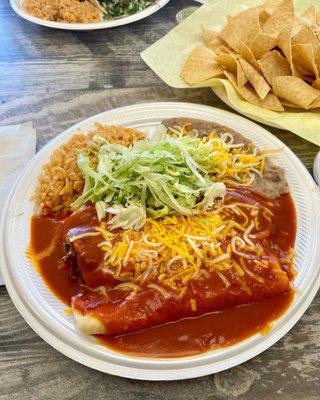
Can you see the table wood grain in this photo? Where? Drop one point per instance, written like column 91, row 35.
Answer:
column 57, row 78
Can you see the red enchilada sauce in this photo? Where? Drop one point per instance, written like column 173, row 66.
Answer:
column 188, row 336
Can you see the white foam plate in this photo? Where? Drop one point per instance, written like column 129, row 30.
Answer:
column 316, row 168
column 17, row 7
column 45, row 313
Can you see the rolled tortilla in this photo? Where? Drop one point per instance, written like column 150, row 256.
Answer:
column 89, row 324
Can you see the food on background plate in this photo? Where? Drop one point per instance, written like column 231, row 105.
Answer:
column 70, row 11
column 83, row 11
column 168, row 245
column 269, row 54
column 120, row 8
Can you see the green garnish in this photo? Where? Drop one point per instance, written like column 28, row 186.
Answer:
column 120, row 8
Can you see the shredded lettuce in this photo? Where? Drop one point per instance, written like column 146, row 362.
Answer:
column 131, row 217
column 212, row 192
column 154, row 177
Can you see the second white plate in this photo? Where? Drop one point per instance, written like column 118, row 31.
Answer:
column 17, row 7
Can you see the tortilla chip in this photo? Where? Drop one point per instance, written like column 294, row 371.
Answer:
column 270, row 56
column 303, row 56
column 263, row 16
column 309, row 79
column 211, row 38
column 310, row 14
column 307, row 36
column 317, row 31
column 295, row 90
column 281, row 17
column 284, row 43
column 241, row 77
column 288, row 104
column 228, row 61
column 316, row 103
column 231, row 64
column 224, row 49
column 271, row 5
column 270, row 102
column 244, row 27
column 316, row 84
column 200, row 66
column 246, row 54
column 262, row 43
column 256, row 79
column 273, row 64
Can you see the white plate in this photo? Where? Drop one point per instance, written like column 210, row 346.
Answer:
column 45, row 313
column 17, row 7
column 316, row 168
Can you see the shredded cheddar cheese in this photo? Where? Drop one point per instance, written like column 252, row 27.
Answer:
column 193, row 305
column 68, row 311
column 169, row 253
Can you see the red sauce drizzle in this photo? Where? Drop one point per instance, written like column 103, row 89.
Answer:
column 185, row 337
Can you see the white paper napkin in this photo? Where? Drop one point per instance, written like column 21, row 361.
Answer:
column 17, row 147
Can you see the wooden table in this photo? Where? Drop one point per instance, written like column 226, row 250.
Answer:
column 56, row 79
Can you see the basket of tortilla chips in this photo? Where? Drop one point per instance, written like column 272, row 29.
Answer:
column 261, row 59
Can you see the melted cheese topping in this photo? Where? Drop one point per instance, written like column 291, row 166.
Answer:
column 177, row 249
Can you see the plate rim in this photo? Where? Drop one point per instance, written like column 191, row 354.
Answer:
column 16, row 6
column 148, row 374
